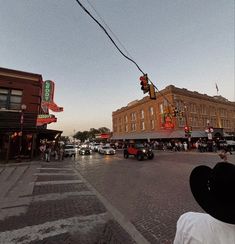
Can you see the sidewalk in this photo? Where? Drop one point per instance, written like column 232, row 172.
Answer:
column 51, row 203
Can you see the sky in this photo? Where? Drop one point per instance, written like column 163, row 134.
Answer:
column 185, row 43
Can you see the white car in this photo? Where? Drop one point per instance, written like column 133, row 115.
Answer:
column 107, row 150
column 69, row 150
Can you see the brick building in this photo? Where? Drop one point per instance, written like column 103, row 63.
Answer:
column 167, row 116
column 20, row 104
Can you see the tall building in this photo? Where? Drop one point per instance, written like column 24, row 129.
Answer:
column 173, row 110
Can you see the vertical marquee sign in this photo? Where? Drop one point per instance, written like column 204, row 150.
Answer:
column 48, row 96
column 48, row 88
column 48, row 91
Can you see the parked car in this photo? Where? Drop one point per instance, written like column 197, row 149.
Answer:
column 69, row 150
column 99, row 147
column 107, row 150
column 85, row 151
column 139, row 151
column 229, row 144
column 95, row 147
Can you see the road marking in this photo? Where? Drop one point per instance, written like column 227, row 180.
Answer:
column 82, row 225
column 66, row 169
column 52, row 174
column 59, row 196
column 57, row 182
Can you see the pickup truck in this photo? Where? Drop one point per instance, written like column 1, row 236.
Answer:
column 139, row 151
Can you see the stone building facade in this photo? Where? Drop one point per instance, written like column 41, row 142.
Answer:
column 167, row 116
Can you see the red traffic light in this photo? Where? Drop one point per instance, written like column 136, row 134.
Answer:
column 144, row 78
column 144, row 83
column 186, row 128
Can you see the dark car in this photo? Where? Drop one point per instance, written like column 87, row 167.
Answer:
column 85, row 151
column 139, row 151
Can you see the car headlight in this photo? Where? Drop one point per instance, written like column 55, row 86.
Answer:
column 144, row 150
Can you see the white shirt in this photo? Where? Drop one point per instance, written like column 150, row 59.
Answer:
column 201, row 228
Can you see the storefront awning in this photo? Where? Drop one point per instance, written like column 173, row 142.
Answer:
column 159, row 135
column 48, row 134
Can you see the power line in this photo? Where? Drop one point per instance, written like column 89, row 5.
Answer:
column 102, row 27
column 106, row 25
column 130, row 59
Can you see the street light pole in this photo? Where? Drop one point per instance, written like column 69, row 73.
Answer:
column 23, row 108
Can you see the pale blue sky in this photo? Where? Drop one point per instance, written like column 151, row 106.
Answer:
column 186, row 43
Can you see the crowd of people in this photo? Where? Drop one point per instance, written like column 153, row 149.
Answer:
column 201, row 145
column 49, row 150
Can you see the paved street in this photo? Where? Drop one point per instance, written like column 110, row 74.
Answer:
column 151, row 194
column 97, row 199
column 45, row 203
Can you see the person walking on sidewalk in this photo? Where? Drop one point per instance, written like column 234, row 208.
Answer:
column 48, row 153
column 42, row 149
column 213, row 189
column 61, row 153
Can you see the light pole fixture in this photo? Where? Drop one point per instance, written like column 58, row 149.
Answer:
column 23, row 108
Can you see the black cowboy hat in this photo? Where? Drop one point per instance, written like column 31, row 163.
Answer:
column 214, row 190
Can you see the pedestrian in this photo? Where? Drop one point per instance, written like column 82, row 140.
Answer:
column 42, row 149
column 213, row 189
column 185, row 146
column 48, row 153
column 223, row 155
column 61, row 153
column 56, row 152
column 214, row 146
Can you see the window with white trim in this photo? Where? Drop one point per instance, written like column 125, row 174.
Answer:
column 152, row 124
column 142, row 125
column 142, row 114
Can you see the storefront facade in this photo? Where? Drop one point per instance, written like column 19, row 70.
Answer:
column 20, row 105
column 168, row 115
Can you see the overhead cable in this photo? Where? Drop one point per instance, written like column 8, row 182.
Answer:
column 102, row 27
column 114, row 43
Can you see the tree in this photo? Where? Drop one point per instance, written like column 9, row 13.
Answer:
column 93, row 132
column 82, row 135
column 104, row 130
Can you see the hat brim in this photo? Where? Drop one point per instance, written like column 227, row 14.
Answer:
column 210, row 203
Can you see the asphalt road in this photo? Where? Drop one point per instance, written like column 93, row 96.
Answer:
column 151, row 194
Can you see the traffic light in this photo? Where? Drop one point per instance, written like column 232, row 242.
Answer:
column 152, row 93
column 186, row 129
column 144, row 83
